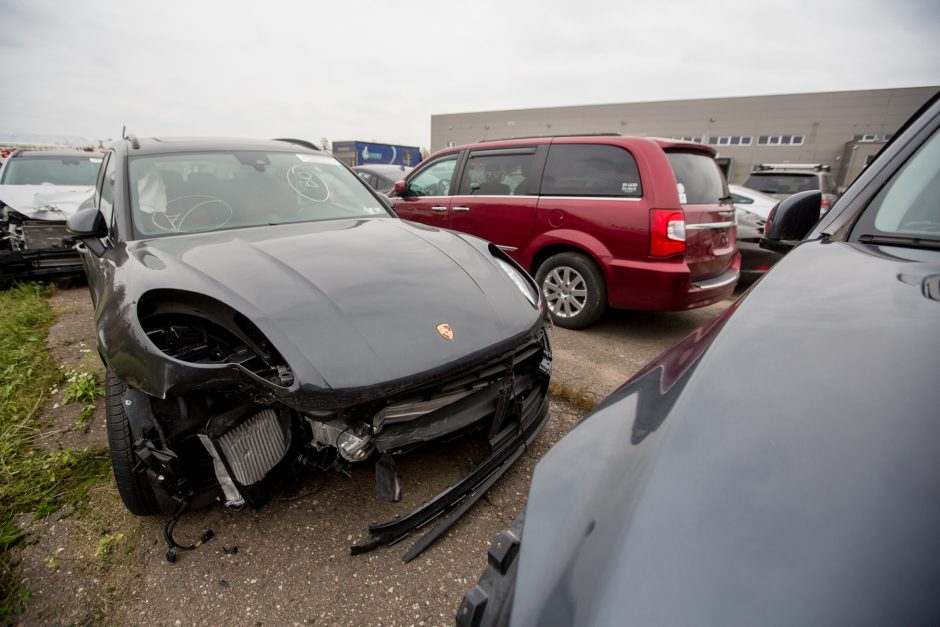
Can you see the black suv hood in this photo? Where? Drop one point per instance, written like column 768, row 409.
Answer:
column 349, row 303
column 785, row 469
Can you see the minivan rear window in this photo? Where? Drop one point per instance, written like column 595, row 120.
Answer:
column 699, row 178
column 590, row 170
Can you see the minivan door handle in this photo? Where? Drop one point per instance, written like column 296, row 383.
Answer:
column 438, row 208
column 461, row 209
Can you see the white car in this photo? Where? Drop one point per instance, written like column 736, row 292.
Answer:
column 752, row 200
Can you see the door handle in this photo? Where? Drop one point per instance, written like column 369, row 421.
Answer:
column 438, row 209
column 461, row 209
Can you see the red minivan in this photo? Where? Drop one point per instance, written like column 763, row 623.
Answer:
column 629, row 222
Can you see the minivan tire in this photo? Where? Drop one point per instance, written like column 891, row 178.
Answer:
column 560, row 278
column 135, row 489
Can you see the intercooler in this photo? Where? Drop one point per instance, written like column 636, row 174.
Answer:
column 244, row 454
column 37, row 235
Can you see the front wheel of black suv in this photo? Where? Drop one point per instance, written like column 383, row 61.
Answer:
column 134, row 488
column 573, row 288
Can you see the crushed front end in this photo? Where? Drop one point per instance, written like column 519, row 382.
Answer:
column 35, row 248
column 238, row 417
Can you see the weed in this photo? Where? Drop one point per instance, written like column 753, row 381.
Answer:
column 84, row 418
column 580, row 399
column 33, row 480
column 83, row 386
column 105, row 551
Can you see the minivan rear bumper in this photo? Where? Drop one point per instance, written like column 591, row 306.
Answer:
column 666, row 285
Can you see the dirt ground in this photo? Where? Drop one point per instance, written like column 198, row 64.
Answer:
column 292, row 565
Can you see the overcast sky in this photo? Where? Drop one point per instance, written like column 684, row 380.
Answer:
column 378, row 70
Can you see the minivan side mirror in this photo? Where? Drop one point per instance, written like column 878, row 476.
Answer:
column 399, row 189
column 791, row 220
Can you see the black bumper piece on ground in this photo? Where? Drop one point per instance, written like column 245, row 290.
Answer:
column 508, row 445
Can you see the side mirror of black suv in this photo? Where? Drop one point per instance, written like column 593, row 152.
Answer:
column 791, row 220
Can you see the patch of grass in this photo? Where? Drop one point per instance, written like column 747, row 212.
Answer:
column 83, row 386
column 32, row 480
column 578, row 398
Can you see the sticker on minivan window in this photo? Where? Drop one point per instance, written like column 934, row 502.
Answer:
column 682, row 197
column 629, row 188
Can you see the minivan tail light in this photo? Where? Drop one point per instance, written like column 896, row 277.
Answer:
column 667, row 232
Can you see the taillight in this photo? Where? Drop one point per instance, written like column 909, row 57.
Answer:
column 823, row 207
column 667, row 232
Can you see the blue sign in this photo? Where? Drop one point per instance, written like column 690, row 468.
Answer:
column 381, row 153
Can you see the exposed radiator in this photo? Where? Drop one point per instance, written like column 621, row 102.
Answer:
column 254, row 447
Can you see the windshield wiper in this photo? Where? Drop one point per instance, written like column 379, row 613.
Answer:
column 900, row 240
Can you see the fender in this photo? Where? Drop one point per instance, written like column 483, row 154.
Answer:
column 588, row 244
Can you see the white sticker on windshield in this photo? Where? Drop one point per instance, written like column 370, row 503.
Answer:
column 308, row 158
column 682, row 197
column 95, row 159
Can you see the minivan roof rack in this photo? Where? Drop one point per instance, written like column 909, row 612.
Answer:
column 502, row 139
column 818, row 167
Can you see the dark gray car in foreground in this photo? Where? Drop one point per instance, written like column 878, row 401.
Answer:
column 259, row 310
column 780, row 466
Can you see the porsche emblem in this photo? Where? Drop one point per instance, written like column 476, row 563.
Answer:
column 446, row 331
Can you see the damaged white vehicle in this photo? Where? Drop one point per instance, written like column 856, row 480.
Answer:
column 39, row 190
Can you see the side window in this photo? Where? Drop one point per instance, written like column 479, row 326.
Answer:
column 497, row 173
column 590, row 170
column 106, row 199
column 741, row 200
column 434, row 180
column 908, row 202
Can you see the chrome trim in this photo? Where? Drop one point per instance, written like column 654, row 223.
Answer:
column 709, row 225
column 507, row 249
column 727, row 278
column 460, row 209
column 438, row 209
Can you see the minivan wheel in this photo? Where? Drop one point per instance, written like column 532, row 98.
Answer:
column 573, row 288
column 134, row 488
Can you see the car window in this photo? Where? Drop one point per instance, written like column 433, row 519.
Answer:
column 741, row 200
column 497, row 174
column 106, row 201
column 193, row 192
column 698, row 178
column 590, row 170
column 782, row 183
column 908, row 202
column 434, row 180
column 77, row 170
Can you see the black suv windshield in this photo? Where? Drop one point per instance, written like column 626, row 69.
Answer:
column 907, row 210
column 194, row 192
column 55, row 170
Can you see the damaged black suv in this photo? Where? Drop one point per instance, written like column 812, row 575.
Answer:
column 258, row 306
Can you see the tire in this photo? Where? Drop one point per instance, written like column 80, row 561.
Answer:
column 573, row 288
column 134, row 488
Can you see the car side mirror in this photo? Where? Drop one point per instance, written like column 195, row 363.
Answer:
column 88, row 224
column 399, row 189
column 791, row 220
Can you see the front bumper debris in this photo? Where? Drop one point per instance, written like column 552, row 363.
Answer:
column 508, row 445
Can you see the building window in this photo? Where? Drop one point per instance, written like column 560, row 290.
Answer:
column 746, row 141
column 451, row 144
column 777, row 140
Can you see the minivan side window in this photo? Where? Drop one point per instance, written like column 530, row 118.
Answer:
column 433, row 180
column 590, row 170
column 492, row 173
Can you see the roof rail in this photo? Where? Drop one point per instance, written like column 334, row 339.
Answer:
column 299, row 142
column 818, row 167
column 502, row 139
column 135, row 143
